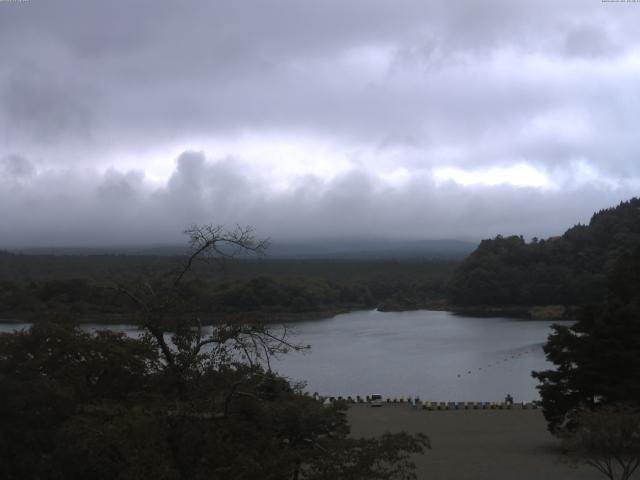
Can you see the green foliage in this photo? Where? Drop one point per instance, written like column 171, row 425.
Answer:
column 607, row 439
column 103, row 406
column 287, row 294
column 597, row 359
column 379, row 459
column 51, row 371
column 176, row 403
column 568, row 270
column 269, row 287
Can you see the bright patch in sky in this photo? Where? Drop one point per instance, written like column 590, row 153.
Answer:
column 280, row 161
column 277, row 159
column 520, row 175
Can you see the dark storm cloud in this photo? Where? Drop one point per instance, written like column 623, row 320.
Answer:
column 151, row 68
column 98, row 98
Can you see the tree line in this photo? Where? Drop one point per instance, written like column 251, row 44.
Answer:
column 177, row 402
column 83, row 288
column 571, row 269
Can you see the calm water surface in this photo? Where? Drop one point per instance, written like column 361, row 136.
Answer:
column 435, row 355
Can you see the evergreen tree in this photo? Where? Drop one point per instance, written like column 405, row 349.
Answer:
column 567, row 270
column 597, row 359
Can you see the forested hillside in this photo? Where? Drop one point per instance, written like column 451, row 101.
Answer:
column 566, row 270
column 33, row 287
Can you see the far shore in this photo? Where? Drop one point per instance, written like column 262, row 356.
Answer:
column 531, row 312
column 545, row 312
column 475, row 444
column 206, row 318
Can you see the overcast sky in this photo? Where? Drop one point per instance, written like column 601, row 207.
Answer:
column 125, row 122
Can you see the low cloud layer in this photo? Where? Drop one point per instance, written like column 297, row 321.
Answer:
column 51, row 207
column 125, row 122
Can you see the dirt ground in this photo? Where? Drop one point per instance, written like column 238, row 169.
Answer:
column 475, row 444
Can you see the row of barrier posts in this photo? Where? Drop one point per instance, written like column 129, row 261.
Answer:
column 429, row 405
column 479, row 405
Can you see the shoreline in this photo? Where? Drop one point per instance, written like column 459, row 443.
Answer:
column 525, row 313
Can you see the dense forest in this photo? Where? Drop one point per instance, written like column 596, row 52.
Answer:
column 570, row 269
column 501, row 274
column 177, row 402
column 85, row 286
column 596, row 359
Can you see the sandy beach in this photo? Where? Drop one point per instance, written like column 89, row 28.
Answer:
column 475, row 444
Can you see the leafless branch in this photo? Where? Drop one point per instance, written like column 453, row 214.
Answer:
column 158, row 298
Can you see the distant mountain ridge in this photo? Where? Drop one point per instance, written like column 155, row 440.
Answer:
column 372, row 249
column 342, row 249
column 568, row 270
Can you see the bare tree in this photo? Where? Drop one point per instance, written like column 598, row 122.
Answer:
column 607, row 439
column 181, row 338
column 186, row 401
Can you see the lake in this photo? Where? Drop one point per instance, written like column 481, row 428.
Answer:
column 436, row 355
